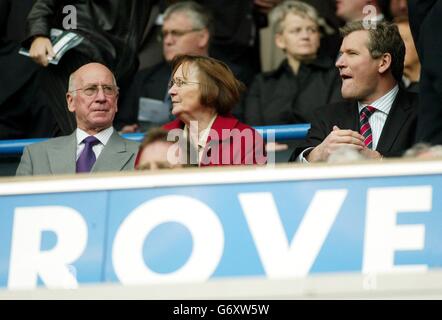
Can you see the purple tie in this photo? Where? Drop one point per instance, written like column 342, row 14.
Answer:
column 87, row 156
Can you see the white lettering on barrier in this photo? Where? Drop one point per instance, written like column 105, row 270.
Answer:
column 383, row 236
column 204, row 225
column 280, row 259
column 28, row 261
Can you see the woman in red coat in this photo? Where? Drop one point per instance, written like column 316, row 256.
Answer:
column 204, row 91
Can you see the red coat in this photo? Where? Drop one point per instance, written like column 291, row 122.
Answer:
column 230, row 139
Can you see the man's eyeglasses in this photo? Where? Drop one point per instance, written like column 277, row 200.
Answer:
column 92, row 90
column 177, row 33
column 180, row 82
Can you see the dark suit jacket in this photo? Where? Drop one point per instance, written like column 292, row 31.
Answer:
column 250, row 152
column 397, row 135
column 426, row 26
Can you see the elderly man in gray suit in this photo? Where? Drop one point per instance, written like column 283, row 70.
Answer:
column 94, row 146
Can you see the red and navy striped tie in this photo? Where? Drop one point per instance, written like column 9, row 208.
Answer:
column 365, row 128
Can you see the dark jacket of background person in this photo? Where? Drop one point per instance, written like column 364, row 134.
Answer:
column 397, row 135
column 248, row 150
column 112, row 29
column 150, row 82
column 426, row 26
column 22, row 114
column 281, row 97
column 112, row 33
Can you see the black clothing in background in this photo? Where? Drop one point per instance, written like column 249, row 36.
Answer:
column 22, row 113
column 281, row 97
column 426, row 27
column 112, row 30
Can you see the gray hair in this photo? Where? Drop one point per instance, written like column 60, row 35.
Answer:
column 278, row 14
column 345, row 154
column 424, row 150
column 200, row 16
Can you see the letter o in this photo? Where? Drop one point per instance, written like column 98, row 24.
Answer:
column 203, row 224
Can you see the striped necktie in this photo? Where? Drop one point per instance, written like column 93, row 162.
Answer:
column 365, row 128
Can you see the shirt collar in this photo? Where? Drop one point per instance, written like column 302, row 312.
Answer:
column 103, row 136
column 205, row 133
column 384, row 103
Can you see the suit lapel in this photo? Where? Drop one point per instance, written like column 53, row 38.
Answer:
column 350, row 119
column 62, row 155
column 399, row 113
column 114, row 155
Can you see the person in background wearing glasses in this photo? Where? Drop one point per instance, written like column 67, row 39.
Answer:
column 94, row 146
column 204, row 91
column 187, row 29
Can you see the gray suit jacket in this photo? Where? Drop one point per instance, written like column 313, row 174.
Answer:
column 57, row 156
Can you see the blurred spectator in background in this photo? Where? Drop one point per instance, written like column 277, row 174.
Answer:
column 380, row 121
column 156, row 152
column 303, row 81
column 112, row 32
column 346, row 154
column 236, row 32
column 412, row 65
column 423, row 150
column 204, row 92
column 426, row 26
column 22, row 113
column 398, row 9
column 94, row 146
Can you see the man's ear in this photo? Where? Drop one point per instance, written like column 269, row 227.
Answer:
column 279, row 41
column 70, row 101
column 204, row 38
column 384, row 62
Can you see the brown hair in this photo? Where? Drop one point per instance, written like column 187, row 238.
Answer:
column 219, row 87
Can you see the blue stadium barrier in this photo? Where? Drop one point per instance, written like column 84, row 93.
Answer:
column 281, row 133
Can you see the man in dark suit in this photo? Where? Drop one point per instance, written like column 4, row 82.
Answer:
column 94, row 146
column 379, row 119
column 426, row 26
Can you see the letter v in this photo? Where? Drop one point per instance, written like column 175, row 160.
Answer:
column 278, row 258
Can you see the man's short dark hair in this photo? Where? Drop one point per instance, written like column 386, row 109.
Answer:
column 384, row 37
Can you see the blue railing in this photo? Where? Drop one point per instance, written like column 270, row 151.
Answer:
column 281, row 133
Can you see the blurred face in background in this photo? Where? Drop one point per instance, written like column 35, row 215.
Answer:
column 399, row 8
column 181, row 37
column 300, row 37
column 350, row 10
